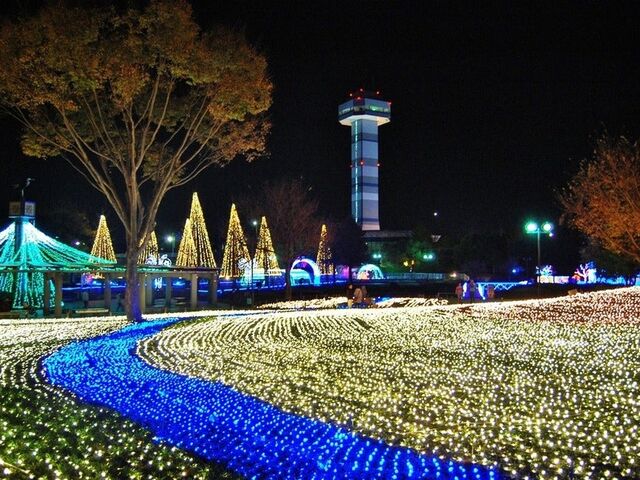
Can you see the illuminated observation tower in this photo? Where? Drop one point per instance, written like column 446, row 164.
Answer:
column 364, row 112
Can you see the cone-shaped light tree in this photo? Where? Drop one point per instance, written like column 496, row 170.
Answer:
column 265, row 256
column 204, row 252
column 102, row 246
column 150, row 250
column 187, row 255
column 236, row 252
column 324, row 259
column 138, row 100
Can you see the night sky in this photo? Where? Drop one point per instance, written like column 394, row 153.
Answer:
column 493, row 109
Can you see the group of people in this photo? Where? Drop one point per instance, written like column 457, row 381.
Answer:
column 472, row 292
column 357, row 297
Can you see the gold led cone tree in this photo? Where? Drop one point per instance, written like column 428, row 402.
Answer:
column 265, row 256
column 235, row 250
column 150, row 250
column 102, row 246
column 325, row 259
column 204, row 252
column 187, row 256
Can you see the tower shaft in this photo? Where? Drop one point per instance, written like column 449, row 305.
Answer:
column 364, row 174
column 364, row 115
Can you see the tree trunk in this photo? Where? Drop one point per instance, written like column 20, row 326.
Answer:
column 132, row 292
column 287, row 279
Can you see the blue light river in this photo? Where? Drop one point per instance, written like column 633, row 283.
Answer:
column 213, row 420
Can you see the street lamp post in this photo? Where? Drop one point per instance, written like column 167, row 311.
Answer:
column 535, row 228
column 172, row 240
column 253, row 260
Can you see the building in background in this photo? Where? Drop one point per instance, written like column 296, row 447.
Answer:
column 364, row 112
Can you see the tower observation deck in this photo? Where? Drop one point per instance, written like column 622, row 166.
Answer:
column 364, row 112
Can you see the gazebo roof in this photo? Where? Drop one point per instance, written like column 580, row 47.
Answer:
column 41, row 252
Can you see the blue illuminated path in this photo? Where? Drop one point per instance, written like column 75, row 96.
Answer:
column 214, row 421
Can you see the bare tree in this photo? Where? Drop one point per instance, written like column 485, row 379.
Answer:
column 139, row 102
column 292, row 216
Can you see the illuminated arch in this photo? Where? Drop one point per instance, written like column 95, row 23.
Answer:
column 370, row 272
column 309, row 266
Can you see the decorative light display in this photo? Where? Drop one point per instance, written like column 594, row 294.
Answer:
column 324, row 259
column 204, row 252
column 187, row 253
column 541, row 388
column 340, row 302
column 370, row 272
column 151, row 250
column 255, row 439
column 47, row 433
column 102, row 245
column 586, row 273
column 21, row 272
column 265, row 257
column 236, row 253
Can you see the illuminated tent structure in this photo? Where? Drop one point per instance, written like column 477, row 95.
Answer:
column 26, row 254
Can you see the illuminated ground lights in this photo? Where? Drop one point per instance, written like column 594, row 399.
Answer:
column 542, row 389
column 546, row 389
column 252, row 437
column 45, row 433
column 339, row 302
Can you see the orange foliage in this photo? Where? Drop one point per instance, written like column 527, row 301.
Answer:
column 139, row 101
column 603, row 199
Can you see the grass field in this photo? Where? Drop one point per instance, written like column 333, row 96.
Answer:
column 543, row 389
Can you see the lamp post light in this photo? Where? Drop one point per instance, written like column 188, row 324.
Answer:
column 253, row 260
column 545, row 228
column 172, row 240
column 429, row 256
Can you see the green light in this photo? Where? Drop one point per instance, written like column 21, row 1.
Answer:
column 531, row 227
column 377, row 256
column 37, row 252
column 428, row 256
column 547, row 227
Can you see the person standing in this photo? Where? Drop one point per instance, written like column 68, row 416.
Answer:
column 357, row 297
column 119, row 302
column 491, row 292
column 85, row 298
column 459, row 291
column 349, row 295
column 472, row 290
